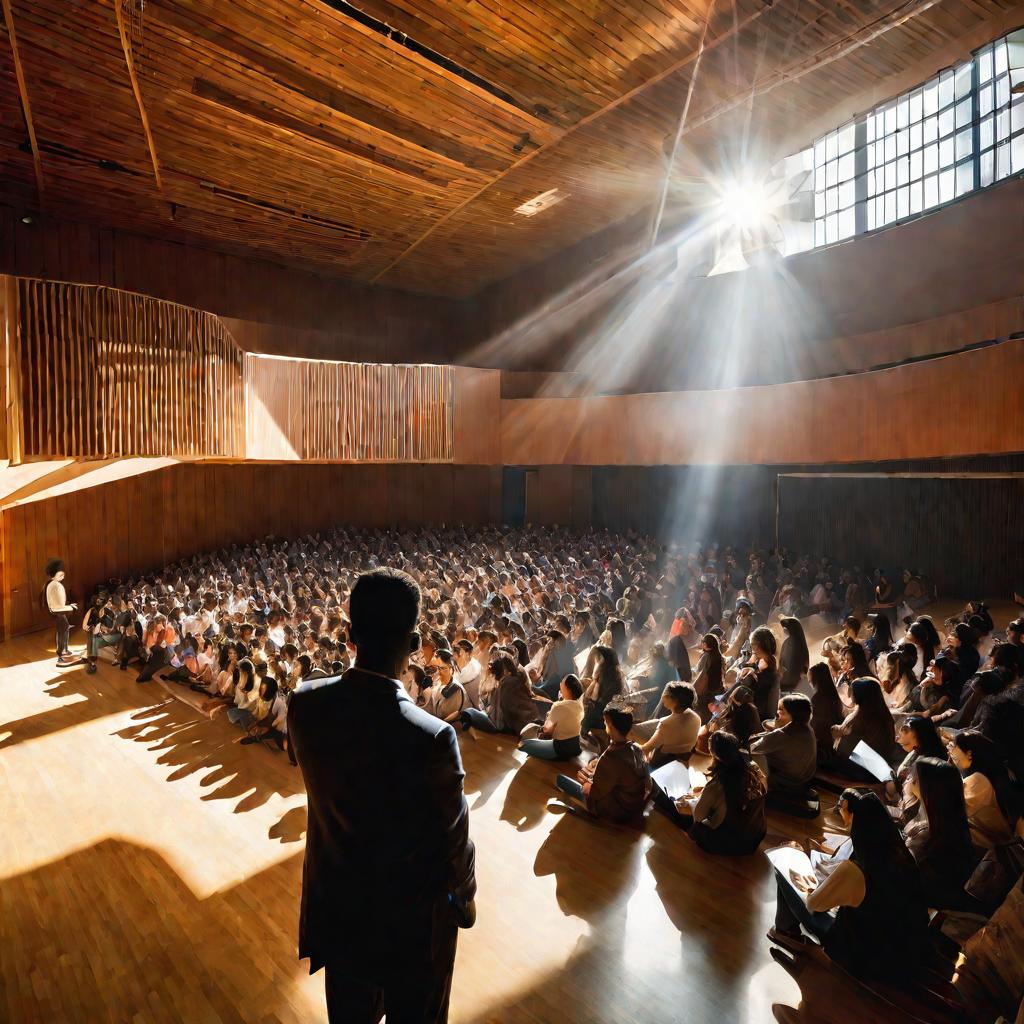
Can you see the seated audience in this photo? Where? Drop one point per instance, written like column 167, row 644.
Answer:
column 728, row 816
column 788, row 751
column 827, row 709
column 615, row 786
column 938, row 836
column 507, row 706
column 992, row 805
column 794, row 661
column 870, row 721
column 880, row 926
column 558, row 739
column 917, row 737
column 672, row 737
column 708, row 676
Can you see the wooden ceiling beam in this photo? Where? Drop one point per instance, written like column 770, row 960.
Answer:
column 129, row 60
column 293, row 79
column 265, row 114
column 26, row 108
column 677, row 66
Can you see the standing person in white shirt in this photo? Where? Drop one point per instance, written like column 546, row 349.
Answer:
column 57, row 605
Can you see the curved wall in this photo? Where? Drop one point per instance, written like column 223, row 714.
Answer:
column 964, row 404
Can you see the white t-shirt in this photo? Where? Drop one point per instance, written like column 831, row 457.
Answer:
column 677, row 733
column 565, row 719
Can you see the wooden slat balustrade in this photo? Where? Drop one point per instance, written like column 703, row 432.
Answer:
column 325, row 411
column 92, row 372
column 107, row 373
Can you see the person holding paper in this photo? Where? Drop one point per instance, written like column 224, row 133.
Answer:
column 871, row 722
column 728, row 815
column 880, row 925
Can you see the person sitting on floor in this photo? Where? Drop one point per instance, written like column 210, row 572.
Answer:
column 992, row 803
column 614, row 787
column 728, row 816
column 672, row 737
column 917, row 737
column 788, row 751
column 558, row 739
column 939, row 837
column 880, row 929
column 870, row 722
column 508, row 706
column 449, row 693
column 827, row 708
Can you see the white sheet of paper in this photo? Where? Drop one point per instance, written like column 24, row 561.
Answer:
column 871, row 761
column 676, row 779
column 788, row 860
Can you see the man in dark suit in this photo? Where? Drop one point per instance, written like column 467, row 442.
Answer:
column 388, row 876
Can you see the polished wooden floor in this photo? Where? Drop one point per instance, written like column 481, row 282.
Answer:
column 150, row 870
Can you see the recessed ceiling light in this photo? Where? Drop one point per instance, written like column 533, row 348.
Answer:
column 542, row 202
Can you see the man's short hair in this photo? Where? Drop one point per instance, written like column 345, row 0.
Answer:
column 683, row 694
column 798, row 707
column 384, row 608
column 620, row 718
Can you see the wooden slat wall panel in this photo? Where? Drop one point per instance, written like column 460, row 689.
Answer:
column 107, row 373
column 319, row 410
column 151, row 519
column 921, row 410
column 961, row 532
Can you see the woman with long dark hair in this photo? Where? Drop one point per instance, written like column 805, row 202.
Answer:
column 922, row 635
column 937, row 691
column 707, row 679
column 506, row 706
column 992, row 807
column 729, row 816
column 827, row 709
column 880, row 929
column 870, row 721
column 939, row 837
column 794, row 658
column 606, row 683
column 761, row 674
column 917, row 737
column 880, row 642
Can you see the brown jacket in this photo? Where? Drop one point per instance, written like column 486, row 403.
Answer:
column 621, row 784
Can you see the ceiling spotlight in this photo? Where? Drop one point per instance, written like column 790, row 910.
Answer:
column 28, row 219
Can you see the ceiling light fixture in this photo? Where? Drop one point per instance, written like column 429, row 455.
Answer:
column 540, row 203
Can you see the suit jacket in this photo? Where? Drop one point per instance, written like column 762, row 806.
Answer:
column 388, row 835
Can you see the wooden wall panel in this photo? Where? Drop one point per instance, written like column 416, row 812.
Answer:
column 477, row 415
column 963, row 404
column 138, row 524
column 961, row 532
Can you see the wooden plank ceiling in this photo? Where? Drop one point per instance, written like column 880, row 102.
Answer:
column 297, row 131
